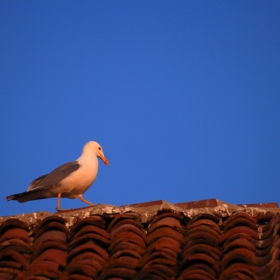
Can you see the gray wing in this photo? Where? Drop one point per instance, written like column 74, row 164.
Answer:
column 52, row 179
column 35, row 182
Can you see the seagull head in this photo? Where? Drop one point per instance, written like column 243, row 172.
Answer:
column 94, row 147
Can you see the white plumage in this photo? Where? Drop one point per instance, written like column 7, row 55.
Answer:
column 69, row 180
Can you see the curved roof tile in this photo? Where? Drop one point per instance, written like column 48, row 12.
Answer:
column 207, row 239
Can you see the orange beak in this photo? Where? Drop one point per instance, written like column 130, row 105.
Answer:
column 105, row 160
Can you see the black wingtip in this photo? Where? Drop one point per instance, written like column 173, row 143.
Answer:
column 11, row 197
column 16, row 196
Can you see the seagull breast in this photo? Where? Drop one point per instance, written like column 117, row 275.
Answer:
column 81, row 179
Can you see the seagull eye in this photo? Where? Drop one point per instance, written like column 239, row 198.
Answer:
column 99, row 148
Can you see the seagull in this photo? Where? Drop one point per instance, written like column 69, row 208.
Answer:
column 69, row 180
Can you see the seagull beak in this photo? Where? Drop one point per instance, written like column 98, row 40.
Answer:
column 105, row 160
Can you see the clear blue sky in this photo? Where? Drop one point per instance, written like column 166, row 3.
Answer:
column 183, row 96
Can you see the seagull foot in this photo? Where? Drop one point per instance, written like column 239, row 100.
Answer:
column 72, row 210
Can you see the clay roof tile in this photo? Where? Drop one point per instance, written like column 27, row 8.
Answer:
column 208, row 239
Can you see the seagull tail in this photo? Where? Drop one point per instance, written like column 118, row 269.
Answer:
column 14, row 196
column 30, row 195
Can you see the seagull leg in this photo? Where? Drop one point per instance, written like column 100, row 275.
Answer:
column 85, row 201
column 58, row 202
column 71, row 210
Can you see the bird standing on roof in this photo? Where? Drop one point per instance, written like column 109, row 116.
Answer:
column 69, row 180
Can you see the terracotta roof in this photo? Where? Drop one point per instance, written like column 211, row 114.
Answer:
column 207, row 239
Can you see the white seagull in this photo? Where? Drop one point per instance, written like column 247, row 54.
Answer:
column 69, row 180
